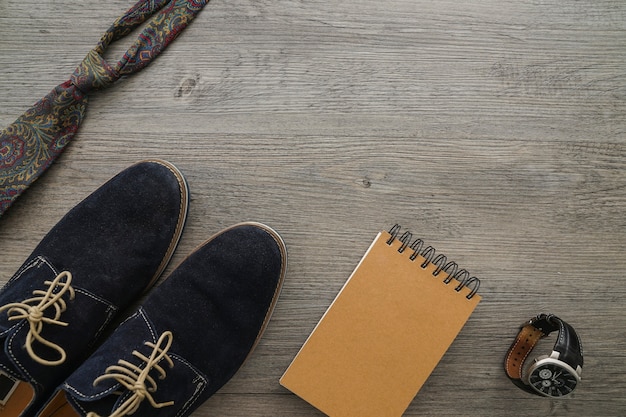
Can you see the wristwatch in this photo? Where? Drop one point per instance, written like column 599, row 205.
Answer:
column 556, row 375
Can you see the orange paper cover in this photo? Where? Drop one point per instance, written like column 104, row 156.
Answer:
column 381, row 337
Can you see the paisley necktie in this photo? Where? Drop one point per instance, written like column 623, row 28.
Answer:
column 30, row 145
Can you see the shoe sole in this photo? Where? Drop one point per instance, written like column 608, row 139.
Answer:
column 283, row 250
column 182, row 218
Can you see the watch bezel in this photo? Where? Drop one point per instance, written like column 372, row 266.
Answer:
column 540, row 363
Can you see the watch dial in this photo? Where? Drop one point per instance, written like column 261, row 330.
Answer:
column 552, row 380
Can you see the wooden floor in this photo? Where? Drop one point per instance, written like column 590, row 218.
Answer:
column 494, row 129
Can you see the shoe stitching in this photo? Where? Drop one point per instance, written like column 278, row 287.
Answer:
column 110, row 311
column 9, row 371
column 137, row 380
column 14, row 358
column 82, row 409
column 85, row 397
column 144, row 317
column 21, row 271
column 201, row 384
column 16, row 329
column 33, row 263
column 82, row 396
column 129, row 318
column 32, row 310
column 95, row 297
column 177, row 358
column 200, row 381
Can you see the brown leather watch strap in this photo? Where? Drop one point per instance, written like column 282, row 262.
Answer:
column 526, row 340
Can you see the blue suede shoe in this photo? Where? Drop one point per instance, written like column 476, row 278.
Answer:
column 98, row 259
column 189, row 337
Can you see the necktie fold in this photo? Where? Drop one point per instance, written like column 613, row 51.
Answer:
column 31, row 144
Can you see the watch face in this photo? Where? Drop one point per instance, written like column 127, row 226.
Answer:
column 552, row 380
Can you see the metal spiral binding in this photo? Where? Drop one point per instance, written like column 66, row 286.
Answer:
column 430, row 255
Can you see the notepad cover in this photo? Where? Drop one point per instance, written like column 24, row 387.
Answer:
column 381, row 337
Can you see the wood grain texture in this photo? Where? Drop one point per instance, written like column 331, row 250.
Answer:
column 495, row 130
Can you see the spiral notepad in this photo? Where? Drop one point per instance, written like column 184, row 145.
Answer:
column 386, row 330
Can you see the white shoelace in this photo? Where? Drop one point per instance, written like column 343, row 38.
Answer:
column 33, row 310
column 137, row 380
